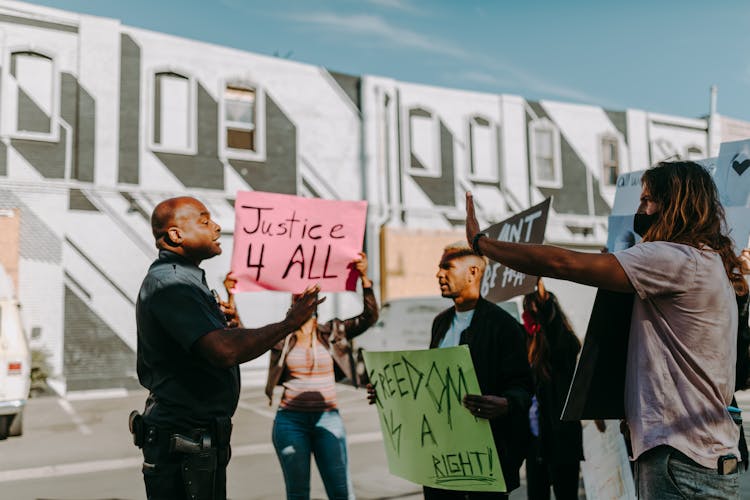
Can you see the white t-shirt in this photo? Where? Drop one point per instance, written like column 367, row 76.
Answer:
column 461, row 321
column 681, row 352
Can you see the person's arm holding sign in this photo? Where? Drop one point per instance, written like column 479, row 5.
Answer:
column 599, row 270
column 359, row 324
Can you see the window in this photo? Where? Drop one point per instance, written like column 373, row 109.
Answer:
column 33, row 76
column 610, row 161
column 423, row 141
column 544, row 141
column 239, row 118
column 242, row 120
column 173, row 112
column 483, row 149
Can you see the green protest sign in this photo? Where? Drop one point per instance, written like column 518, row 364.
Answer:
column 430, row 437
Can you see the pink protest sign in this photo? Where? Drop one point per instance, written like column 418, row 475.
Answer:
column 285, row 243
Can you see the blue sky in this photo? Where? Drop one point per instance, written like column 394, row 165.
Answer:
column 658, row 56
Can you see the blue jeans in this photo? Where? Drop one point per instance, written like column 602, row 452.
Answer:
column 296, row 435
column 664, row 473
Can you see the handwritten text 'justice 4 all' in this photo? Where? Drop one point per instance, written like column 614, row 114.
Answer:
column 290, row 227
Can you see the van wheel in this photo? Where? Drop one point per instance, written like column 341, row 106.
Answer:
column 4, row 426
column 15, row 428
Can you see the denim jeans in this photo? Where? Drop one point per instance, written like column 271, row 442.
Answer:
column 297, row 435
column 664, row 473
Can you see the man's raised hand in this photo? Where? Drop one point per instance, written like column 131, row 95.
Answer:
column 472, row 225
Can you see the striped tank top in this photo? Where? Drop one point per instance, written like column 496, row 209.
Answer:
column 310, row 383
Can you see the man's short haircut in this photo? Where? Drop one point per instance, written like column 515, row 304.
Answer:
column 162, row 218
column 462, row 249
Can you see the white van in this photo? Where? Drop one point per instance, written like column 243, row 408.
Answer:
column 15, row 361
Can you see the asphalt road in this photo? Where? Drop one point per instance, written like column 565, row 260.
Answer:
column 79, row 449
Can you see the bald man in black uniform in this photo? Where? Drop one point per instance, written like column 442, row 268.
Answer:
column 188, row 358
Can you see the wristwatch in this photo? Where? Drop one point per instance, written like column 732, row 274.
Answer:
column 475, row 242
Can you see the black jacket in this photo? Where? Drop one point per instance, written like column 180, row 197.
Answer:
column 561, row 442
column 498, row 350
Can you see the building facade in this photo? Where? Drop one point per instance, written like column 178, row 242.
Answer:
column 100, row 121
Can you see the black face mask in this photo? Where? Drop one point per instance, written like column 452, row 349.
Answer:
column 642, row 223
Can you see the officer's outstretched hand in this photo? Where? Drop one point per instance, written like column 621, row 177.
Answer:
column 304, row 306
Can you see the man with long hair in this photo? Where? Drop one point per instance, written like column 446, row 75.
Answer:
column 682, row 347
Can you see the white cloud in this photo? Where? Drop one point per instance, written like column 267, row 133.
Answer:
column 403, row 5
column 376, row 27
column 481, row 78
column 544, row 86
column 481, row 68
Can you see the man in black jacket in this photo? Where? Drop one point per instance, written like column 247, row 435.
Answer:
column 498, row 350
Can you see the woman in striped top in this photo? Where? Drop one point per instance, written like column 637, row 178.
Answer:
column 307, row 364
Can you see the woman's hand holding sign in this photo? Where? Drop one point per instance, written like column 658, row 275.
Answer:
column 488, row 407
column 360, row 264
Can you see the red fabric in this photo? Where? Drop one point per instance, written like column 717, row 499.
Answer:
column 530, row 324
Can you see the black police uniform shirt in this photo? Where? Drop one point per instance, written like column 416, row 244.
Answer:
column 175, row 308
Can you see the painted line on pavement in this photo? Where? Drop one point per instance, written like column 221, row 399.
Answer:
column 75, row 417
column 48, row 471
column 96, row 394
column 260, row 410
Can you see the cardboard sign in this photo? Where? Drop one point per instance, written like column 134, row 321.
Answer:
column 430, row 438
column 598, row 387
column 606, row 470
column 500, row 282
column 738, row 222
column 733, row 173
column 620, row 234
column 285, row 243
column 628, row 193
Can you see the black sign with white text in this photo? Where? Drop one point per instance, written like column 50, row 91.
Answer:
column 500, row 282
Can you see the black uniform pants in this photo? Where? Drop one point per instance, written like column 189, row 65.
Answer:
column 163, row 471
